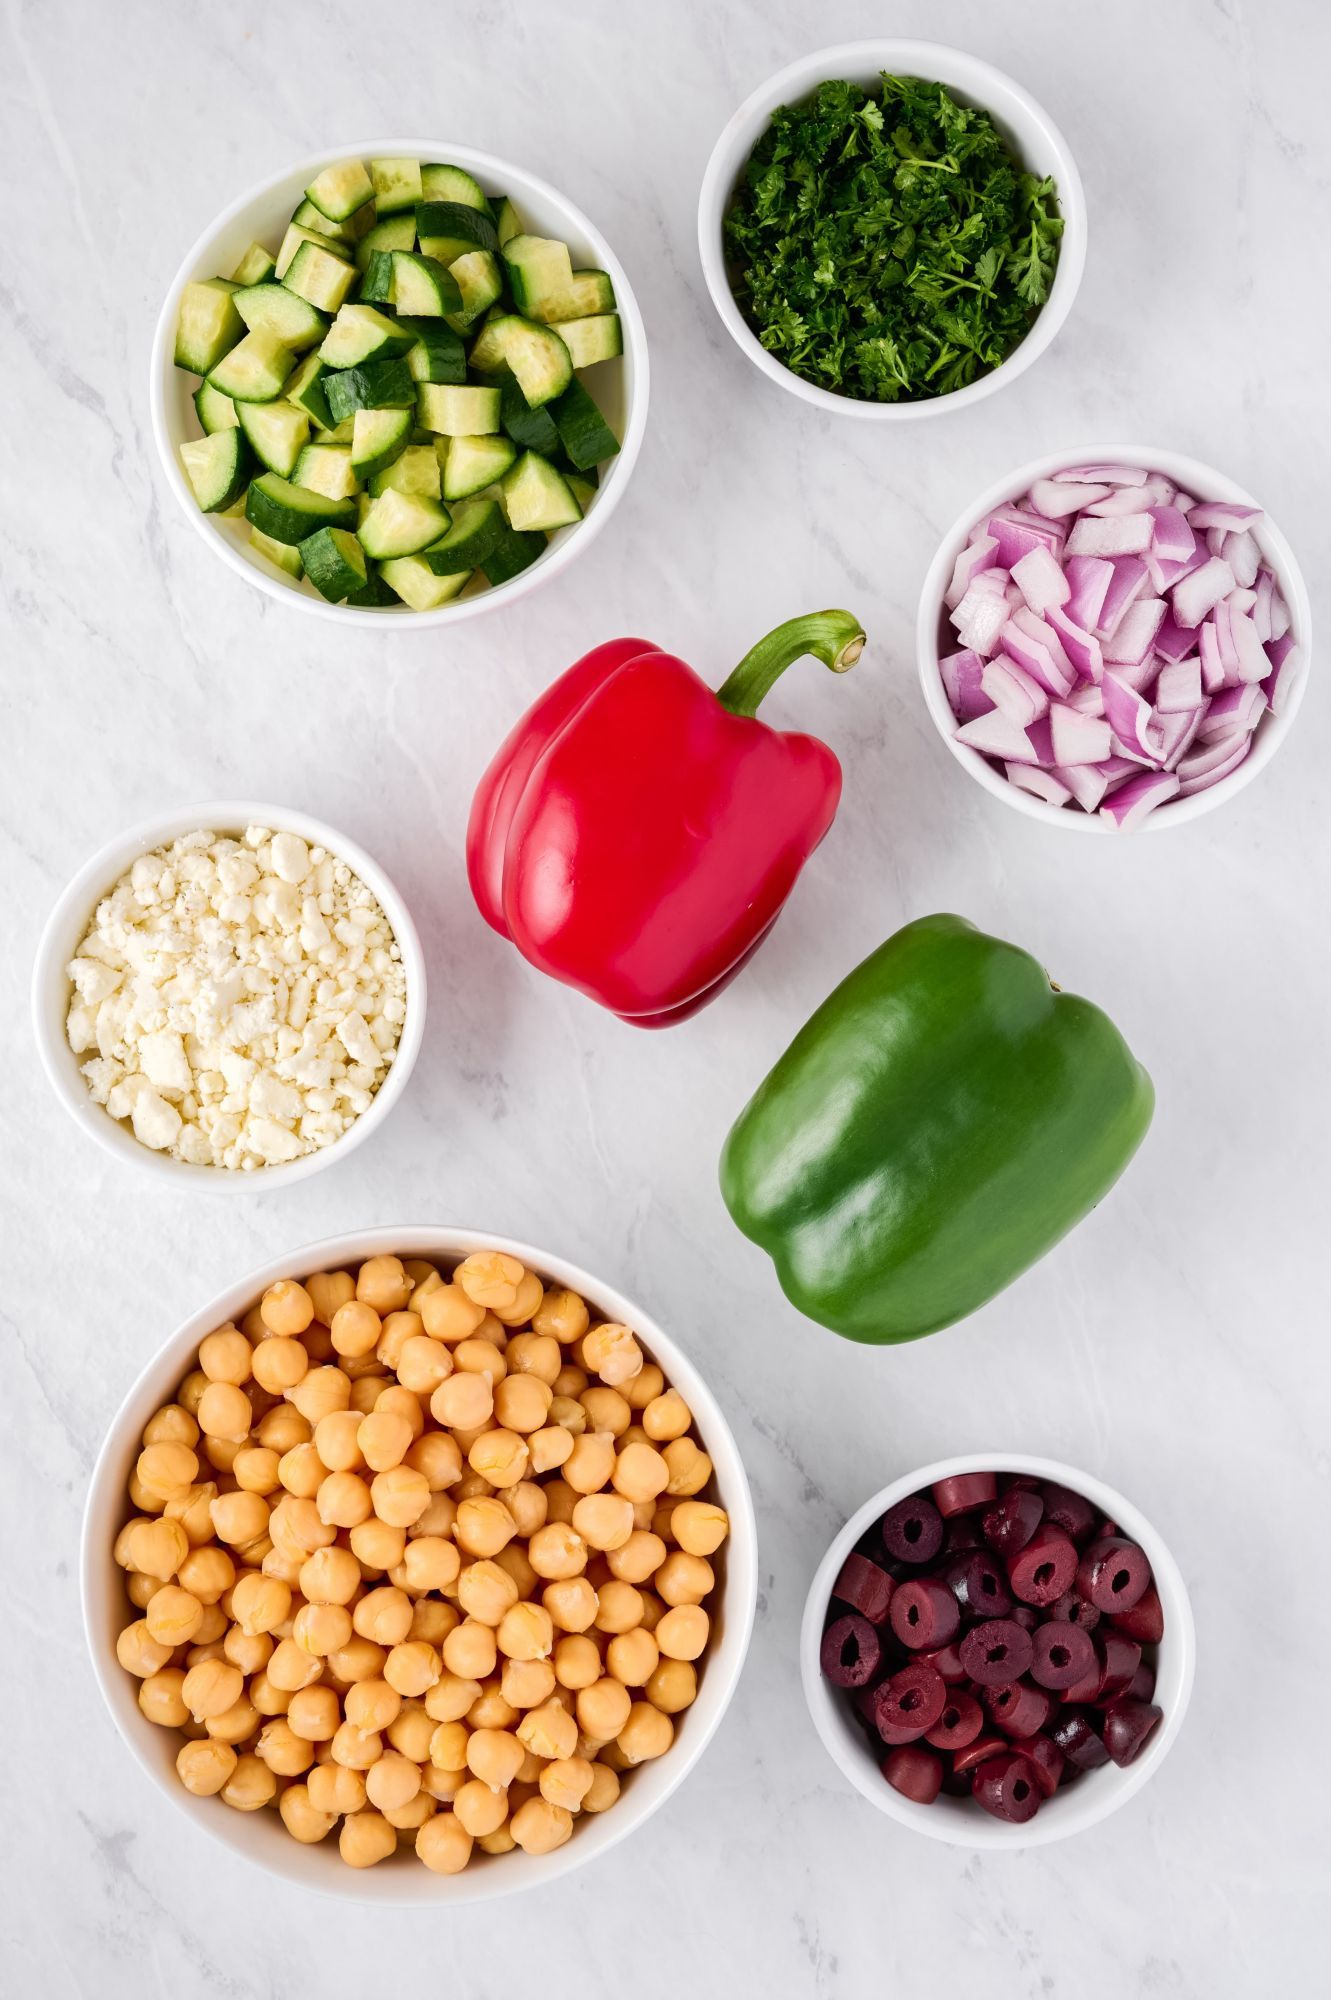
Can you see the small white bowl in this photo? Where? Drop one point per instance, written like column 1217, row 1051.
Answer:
column 1096, row 1795
column 1027, row 128
column 67, row 926
column 260, row 215
column 259, row 1837
column 1205, row 483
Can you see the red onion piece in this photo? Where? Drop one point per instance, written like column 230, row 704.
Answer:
column 1126, row 584
column 1054, row 498
column 1208, row 778
column 1174, row 642
column 1243, row 556
column 1076, row 738
column 1043, row 784
column 1172, row 537
column 1134, row 635
column 1253, row 664
column 1175, row 734
column 1106, row 475
column 1201, row 591
column 975, row 557
column 1179, row 687
column 996, row 735
column 1127, row 714
column 962, row 680
column 980, row 617
column 1017, row 534
column 1122, row 535
column 1013, row 692
column 1040, row 580
column 1080, row 647
column 1226, row 514
column 1090, row 577
column 1035, row 657
column 1234, row 708
column 1132, row 803
column 1087, row 783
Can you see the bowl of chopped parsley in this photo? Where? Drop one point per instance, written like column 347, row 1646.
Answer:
column 892, row 229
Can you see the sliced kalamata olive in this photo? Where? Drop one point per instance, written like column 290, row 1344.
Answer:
column 1008, row 1788
column 1070, row 1511
column 1009, row 1524
column 1113, row 1575
column 979, row 1585
column 1121, row 1658
column 1076, row 1736
column 1063, row 1655
column 916, row 1774
column 967, row 1761
column 1127, row 1726
column 1145, row 1621
column 1073, row 1609
column 909, row 1704
column 963, row 1492
column 850, row 1652
column 1045, row 1759
column 912, row 1531
column 865, row 1586
column 1041, row 1572
column 924, row 1614
column 945, row 1660
column 996, row 1652
column 959, row 1724
column 1142, row 1685
column 1018, row 1708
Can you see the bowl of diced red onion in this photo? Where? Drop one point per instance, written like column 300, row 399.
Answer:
column 1114, row 639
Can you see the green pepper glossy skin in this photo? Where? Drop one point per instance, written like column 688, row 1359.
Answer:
column 935, row 1127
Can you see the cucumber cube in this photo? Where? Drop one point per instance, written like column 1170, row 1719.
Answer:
column 287, row 559
column 217, row 468
column 418, row 586
column 537, row 496
column 457, row 410
column 319, row 275
column 255, row 267
column 377, row 438
column 327, row 469
column 255, row 369
column 401, row 524
column 396, row 184
column 588, row 341
column 208, row 327
column 334, row 562
column 339, row 191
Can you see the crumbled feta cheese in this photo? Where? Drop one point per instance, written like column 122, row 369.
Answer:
column 239, row 1001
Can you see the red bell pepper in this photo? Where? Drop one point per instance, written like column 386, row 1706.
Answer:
column 638, row 832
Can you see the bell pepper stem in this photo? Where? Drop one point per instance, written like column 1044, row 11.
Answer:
column 833, row 637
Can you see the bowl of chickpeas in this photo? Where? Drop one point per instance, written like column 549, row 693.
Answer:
column 420, row 1554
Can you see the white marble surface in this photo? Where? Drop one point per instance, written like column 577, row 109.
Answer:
column 1176, row 1344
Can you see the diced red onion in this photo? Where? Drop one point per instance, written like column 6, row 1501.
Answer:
column 1017, row 534
column 1175, row 733
column 1054, row 498
column 1178, row 687
column 1081, row 647
column 1200, row 592
column 1226, row 514
column 1127, row 714
column 962, row 680
column 1213, row 667
column 1129, row 500
column 1040, row 580
column 996, row 735
column 1086, row 782
column 1106, row 475
column 1253, row 664
column 1243, row 556
column 1126, row 584
column 1261, row 610
column 1279, row 616
column 1087, row 699
column 1134, row 635
column 975, row 557
column 1013, row 692
column 1036, row 657
column 1172, row 538
column 1090, row 577
column 1233, row 708
column 1076, row 738
column 980, row 617
column 1173, row 642
column 1284, row 658
column 1206, row 779
column 1133, row 802
column 1121, row 535
column 1043, row 784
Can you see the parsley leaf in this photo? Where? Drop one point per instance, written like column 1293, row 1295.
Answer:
column 889, row 246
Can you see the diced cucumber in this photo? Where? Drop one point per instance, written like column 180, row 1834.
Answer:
column 417, row 585
column 512, row 553
column 438, row 355
column 286, row 558
column 395, row 232
column 289, row 513
column 376, row 285
column 320, row 275
column 591, row 340
column 283, row 312
column 533, row 430
column 587, row 293
column 254, row 370
column 339, row 191
column 470, row 464
column 396, row 184
column 539, row 267
column 584, row 435
column 209, row 325
column 508, row 223
column 377, row 438
column 334, row 562
column 298, row 233
column 536, row 355
column 278, row 433
column 423, row 287
column 401, row 524
column 215, row 411
column 452, row 184
column 341, row 433
column 448, row 229
column 307, row 216
column 536, row 495
column 305, row 389
column 457, row 409
column 416, row 470
column 375, row 385
column 255, row 267
column 217, row 468
column 375, row 591
column 582, row 489
column 358, row 334
column 327, row 469
column 480, row 284
column 478, row 527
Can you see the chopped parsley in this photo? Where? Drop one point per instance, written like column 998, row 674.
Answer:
column 890, row 247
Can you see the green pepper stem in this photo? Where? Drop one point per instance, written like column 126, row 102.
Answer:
column 833, row 637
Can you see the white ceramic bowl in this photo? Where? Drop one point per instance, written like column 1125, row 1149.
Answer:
column 261, row 215
column 1206, row 484
column 1096, row 1795
column 1028, row 129
column 259, row 1837
column 68, row 923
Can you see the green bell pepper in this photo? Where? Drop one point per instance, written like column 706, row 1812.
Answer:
column 937, row 1125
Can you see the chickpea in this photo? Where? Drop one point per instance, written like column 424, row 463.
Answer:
column 684, row 1579
column 286, row 1751
column 173, row 1615
column 157, row 1548
column 479, row 1809
column 141, row 1589
column 619, row 1607
column 366, row 1837
column 667, row 1417
column 207, row 1573
column 653, row 1610
column 447, row 1314
column 526, row 1632
column 640, row 1473
column 279, row 1364
column 235, row 1725
column 603, row 1708
column 432, row 1620
column 480, row 1356
column 451, row 1696
column 382, row 1282
column 212, row 1625
column 372, row 1704
column 562, row 1316
column 610, row 1351
column 539, row 1827
column 377, row 1546
column 606, row 1410
column 590, row 1463
column 648, row 1733
column 359, row 1660
column 549, row 1448
column 225, row 1413
column 494, row 1756
column 239, row 1517
column 603, row 1790
column 413, row 1666
column 283, row 1427
column 384, row 1439
column 190, row 1390
column 485, row 1591
column 383, row 1615
column 500, row 1457
column 639, row 1558
column 392, row 1782
column 337, row 1441
column 291, row 1668
column 527, row 1683
column 438, row 1456
column 577, row 1662
column 287, row 1307
column 319, row 1392
column 335, row 1789
column 354, row 1330
column 568, row 1413
column 356, row 1748
column 368, row 1382
column 193, row 1511
column 566, row 1782
column 172, row 1424
column 255, row 1469
column 444, row 1844
column 470, row 1650
column 464, row 1402
column 490, row 1278
column 161, row 1700
column 402, row 1403
column 682, row 1633
column 226, row 1356
column 328, row 1292
column 423, row 1364
column 484, row 1526
column 537, row 1355
column 204, row 1767
column 167, row 1470
column 250, row 1786
column 549, row 1731
column 344, row 1500
column 411, row 1731
column 211, row 1687
column 632, row 1657
column 330, row 1576
column 571, row 1602
column 521, row 1403
column 690, row 1469
column 490, row 1710
column 400, row 1495
column 314, row 1714
column 250, row 1651
column 700, row 1526
column 301, row 1818
column 604, row 1520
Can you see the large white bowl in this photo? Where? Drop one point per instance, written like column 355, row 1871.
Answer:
column 260, row 1837
column 260, row 215
column 1097, row 1794
column 1205, row 483
column 67, row 925
column 1028, row 129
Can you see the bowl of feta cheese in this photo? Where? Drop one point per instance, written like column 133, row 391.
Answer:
column 233, row 993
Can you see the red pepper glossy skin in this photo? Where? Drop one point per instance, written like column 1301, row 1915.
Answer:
column 636, row 840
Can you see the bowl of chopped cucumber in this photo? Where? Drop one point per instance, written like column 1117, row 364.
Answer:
column 400, row 377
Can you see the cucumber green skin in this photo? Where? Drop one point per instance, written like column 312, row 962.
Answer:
column 449, row 221
column 935, row 1127
column 374, row 593
column 470, row 539
column 208, row 408
column 375, row 385
column 327, row 566
column 270, row 508
column 513, row 553
column 242, row 466
column 380, row 460
column 377, row 285
column 446, row 357
column 394, row 232
column 531, row 430
column 444, row 284
column 584, row 434
column 313, row 399
column 452, row 184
